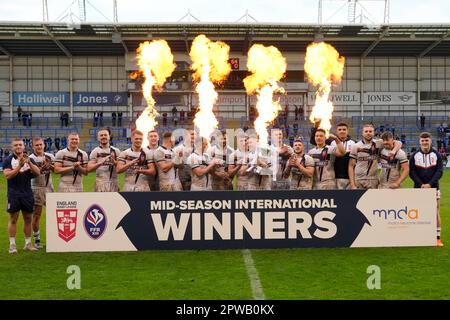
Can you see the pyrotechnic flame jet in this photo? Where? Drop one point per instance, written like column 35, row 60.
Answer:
column 323, row 66
column 155, row 62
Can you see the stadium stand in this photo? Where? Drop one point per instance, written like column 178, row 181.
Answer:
column 406, row 76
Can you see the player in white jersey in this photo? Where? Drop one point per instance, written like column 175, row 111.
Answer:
column 40, row 185
column 260, row 167
column 71, row 164
column 363, row 165
column 221, row 180
column 201, row 166
column 393, row 171
column 137, row 163
column 299, row 168
column 167, row 163
column 185, row 149
column 153, row 144
column 280, row 153
column 324, row 157
column 103, row 160
column 241, row 160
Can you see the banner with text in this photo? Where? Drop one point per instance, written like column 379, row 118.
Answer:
column 130, row 221
column 100, row 99
column 47, row 99
column 389, row 98
column 338, row 98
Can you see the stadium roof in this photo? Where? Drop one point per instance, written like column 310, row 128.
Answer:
column 36, row 38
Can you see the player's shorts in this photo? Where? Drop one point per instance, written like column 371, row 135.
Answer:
column 383, row 185
column 185, row 178
column 302, row 186
column 281, row 185
column 106, row 186
column 325, row 185
column 241, row 184
column 39, row 195
column 260, row 183
column 70, row 188
column 136, row 188
column 343, row 184
column 176, row 186
column 221, row 185
column 196, row 188
column 21, row 202
column 367, row 184
column 153, row 183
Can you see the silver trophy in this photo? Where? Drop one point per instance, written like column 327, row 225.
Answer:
column 262, row 153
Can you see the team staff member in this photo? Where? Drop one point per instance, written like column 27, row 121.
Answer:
column 425, row 169
column 71, row 164
column 341, row 163
column 103, row 160
column 40, row 185
column 19, row 170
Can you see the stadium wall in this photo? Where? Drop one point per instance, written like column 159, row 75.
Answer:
column 110, row 74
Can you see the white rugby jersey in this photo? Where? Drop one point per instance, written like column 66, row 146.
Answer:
column 132, row 177
column 323, row 162
column 44, row 180
column 107, row 171
column 68, row 158
column 390, row 169
column 168, row 155
column 199, row 183
column 366, row 156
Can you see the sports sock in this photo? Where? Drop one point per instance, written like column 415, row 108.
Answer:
column 27, row 240
column 12, row 241
column 37, row 235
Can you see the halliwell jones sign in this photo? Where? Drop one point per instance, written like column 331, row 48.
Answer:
column 129, row 221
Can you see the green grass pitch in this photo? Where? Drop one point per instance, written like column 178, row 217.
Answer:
column 406, row 273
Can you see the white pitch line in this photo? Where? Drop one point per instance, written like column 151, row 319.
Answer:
column 255, row 283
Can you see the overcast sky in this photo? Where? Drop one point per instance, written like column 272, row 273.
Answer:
column 293, row 11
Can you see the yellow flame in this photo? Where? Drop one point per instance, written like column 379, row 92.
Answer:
column 267, row 66
column 323, row 66
column 155, row 61
column 210, row 66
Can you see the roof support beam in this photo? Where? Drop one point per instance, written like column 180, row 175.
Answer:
column 2, row 49
column 247, row 42
column 434, row 44
column 376, row 42
column 58, row 43
column 186, row 43
column 121, row 40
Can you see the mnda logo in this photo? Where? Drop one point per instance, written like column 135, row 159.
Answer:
column 95, row 221
column 393, row 214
